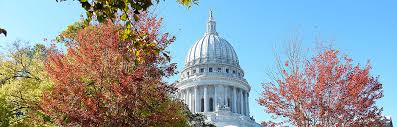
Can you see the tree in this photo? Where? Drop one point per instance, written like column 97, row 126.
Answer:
column 70, row 33
column 5, row 113
column 22, row 82
column 104, row 10
column 196, row 119
column 326, row 90
column 115, row 10
column 103, row 80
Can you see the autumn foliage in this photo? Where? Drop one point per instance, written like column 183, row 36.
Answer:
column 22, row 82
column 324, row 91
column 104, row 80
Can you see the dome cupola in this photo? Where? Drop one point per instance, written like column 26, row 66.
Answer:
column 211, row 48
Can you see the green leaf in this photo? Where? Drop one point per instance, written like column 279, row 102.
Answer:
column 100, row 18
column 124, row 17
column 128, row 25
column 85, row 5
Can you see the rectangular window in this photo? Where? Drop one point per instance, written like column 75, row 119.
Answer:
column 194, row 71
column 219, row 69
column 227, row 70
column 201, row 70
column 210, row 69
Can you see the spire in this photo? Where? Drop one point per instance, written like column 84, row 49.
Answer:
column 210, row 18
column 211, row 25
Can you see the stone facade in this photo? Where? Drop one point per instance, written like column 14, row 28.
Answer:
column 212, row 82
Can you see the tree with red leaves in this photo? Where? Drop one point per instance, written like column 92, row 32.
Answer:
column 324, row 91
column 104, row 80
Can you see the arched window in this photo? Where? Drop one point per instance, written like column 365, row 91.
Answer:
column 211, row 104
column 202, row 105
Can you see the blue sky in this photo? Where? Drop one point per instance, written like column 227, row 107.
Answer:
column 363, row 29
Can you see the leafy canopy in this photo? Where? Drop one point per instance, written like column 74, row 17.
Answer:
column 103, row 10
column 22, row 83
column 103, row 80
column 326, row 90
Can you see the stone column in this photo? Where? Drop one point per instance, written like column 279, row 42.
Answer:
column 215, row 98
column 247, row 104
column 241, row 102
column 205, row 99
column 196, row 100
column 184, row 96
column 234, row 108
column 189, row 99
column 225, row 95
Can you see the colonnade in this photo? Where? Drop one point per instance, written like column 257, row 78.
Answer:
column 206, row 98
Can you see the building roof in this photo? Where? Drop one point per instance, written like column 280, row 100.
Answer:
column 211, row 48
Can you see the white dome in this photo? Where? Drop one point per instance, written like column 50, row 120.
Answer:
column 211, row 48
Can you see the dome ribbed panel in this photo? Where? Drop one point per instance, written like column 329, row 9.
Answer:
column 216, row 49
column 233, row 53
column 192, row 53
column 211, row 49
column 235, row 56
column 188, row 58
column 227, row 51
column 202, row 53
column 198, row 51
column 221, row 55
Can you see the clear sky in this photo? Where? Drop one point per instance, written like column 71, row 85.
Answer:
column 363, row 29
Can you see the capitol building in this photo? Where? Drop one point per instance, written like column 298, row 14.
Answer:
column 212, row 81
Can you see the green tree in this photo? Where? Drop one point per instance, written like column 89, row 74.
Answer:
column 22, row 82
column 115, row 10
column 107, row 9
column 5, row 113
column 196, row 119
